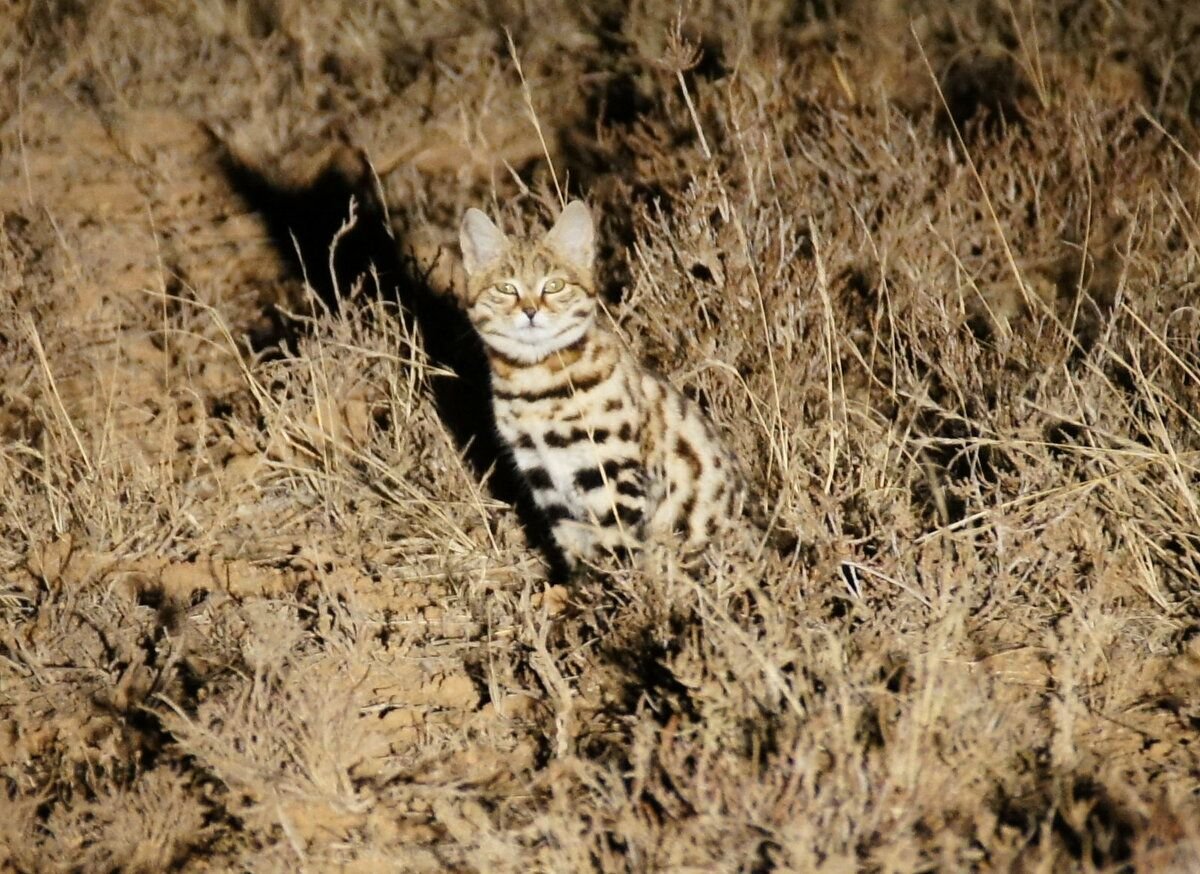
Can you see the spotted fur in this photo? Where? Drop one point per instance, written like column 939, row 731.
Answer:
column 613, row 453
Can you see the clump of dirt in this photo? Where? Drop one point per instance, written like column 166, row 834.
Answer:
column 271, row 595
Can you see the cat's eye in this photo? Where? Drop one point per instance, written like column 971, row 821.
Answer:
column 508, row 288
column 552, row 285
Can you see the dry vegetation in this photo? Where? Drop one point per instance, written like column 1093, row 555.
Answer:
column 265, row 601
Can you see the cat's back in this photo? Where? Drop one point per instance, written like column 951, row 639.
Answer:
column 700, row 482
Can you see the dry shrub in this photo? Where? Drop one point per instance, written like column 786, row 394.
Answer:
column 268, row 599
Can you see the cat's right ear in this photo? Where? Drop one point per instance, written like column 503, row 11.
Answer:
column 481, row 241
column 574, row 236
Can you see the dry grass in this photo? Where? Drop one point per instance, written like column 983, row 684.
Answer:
column 266, row 604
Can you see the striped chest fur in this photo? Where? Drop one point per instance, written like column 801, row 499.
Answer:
column 613, row 454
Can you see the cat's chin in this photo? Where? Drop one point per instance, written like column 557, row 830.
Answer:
column 538, row 344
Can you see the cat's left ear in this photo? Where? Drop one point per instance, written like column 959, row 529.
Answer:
column 573, row 236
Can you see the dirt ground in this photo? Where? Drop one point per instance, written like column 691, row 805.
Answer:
column 270, row 599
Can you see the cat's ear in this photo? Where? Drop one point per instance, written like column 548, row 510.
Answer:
column 573, row 236
column 481, row 241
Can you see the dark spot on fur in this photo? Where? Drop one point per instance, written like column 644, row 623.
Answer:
column 614, row 466
column 598, row 435
column 629, row 516
column 564, row 389
column 589, row 478
column 683, row 525
column 556, row 513
column 629, row 489
column 539, row 478
column 688, row 453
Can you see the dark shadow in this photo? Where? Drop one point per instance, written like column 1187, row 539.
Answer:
column 302, row 221
column 986, row 93
column 1103, row 835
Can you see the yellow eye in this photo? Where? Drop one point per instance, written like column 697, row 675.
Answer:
column 507, row 288
column 552, row 285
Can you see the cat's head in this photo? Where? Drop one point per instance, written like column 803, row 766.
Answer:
column 529, row 298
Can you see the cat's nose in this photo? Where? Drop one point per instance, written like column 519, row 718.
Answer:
column 529, row 311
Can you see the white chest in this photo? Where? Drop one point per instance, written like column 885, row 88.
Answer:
column 552, row 457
